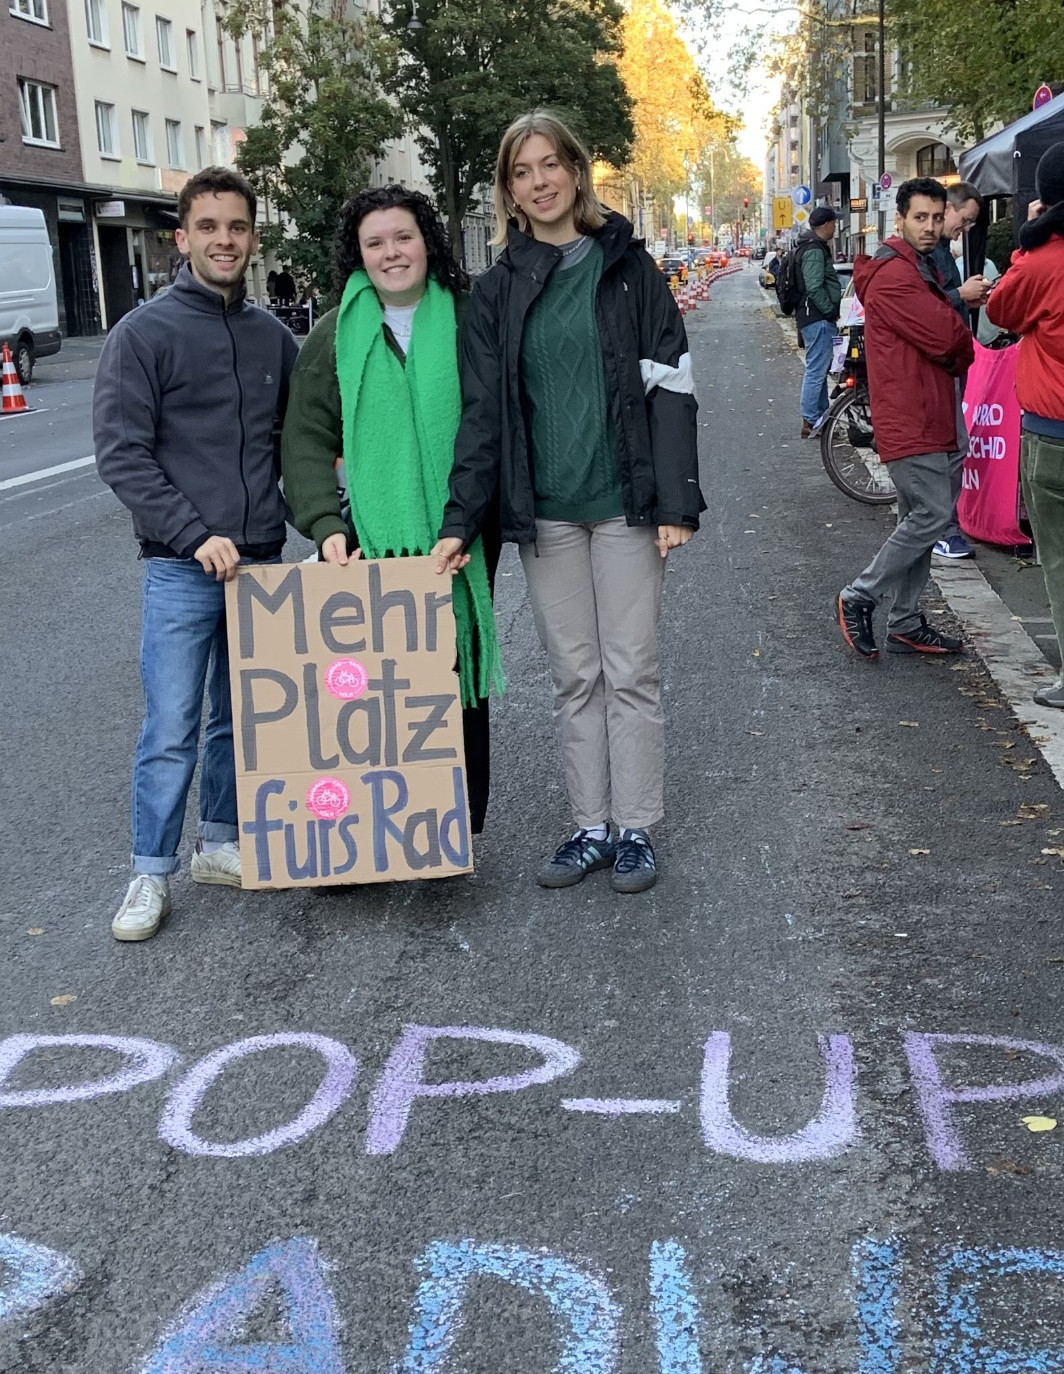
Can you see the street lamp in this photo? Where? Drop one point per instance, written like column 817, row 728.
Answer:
column 414, row 24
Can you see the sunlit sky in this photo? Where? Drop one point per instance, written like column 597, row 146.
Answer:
column 754, row 104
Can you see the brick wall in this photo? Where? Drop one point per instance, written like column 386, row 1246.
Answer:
column 40, row 53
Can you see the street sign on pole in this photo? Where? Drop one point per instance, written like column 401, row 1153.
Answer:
column 782, row 212
column 1042, row 96
column 886, row 181
column 801, row 195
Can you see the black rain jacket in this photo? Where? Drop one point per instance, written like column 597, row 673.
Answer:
column 648, row 380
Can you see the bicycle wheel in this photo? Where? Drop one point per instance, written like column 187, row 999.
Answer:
column 848, row 453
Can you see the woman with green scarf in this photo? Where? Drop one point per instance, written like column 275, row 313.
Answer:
column 375, row 394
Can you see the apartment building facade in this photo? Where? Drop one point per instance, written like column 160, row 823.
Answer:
column 40, row 148
column 107, row 107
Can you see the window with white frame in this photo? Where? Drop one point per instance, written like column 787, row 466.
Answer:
column 192, row 47
column 106, row 129
column 37, row 10
column 36, row 104
column 96, row 22
column 142, row 147
column 175, row 152
column 131, row 31
column 201, row 148
column 219, row 142
column 164, row 33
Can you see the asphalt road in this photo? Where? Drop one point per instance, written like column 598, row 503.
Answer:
column 853, row 852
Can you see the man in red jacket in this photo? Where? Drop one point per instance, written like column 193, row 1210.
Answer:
column 917, row 346
column 1029, row 301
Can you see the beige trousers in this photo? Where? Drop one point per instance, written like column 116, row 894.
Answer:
column 596, row 598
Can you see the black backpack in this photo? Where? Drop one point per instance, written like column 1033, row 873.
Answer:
column 789, row 285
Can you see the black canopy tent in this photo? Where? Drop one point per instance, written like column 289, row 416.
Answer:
column 1004, row 165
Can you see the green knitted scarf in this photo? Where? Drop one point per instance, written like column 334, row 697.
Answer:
column 399, row 428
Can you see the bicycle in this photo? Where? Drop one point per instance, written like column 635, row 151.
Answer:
column 847, row 442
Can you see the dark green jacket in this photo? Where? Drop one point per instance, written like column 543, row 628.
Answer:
column 821, row 288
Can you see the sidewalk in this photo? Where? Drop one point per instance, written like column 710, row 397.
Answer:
column 75, row 362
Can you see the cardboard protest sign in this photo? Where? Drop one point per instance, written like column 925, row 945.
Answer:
column 347, row 724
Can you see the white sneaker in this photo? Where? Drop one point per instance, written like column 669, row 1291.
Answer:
column 220, row 866
column 146, row 904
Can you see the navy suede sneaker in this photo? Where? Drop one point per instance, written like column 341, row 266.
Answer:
column 575, row 859
column 636, row 868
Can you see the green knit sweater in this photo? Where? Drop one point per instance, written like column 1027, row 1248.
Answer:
column 574, row 453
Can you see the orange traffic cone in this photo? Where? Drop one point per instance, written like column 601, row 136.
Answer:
column 14, row 401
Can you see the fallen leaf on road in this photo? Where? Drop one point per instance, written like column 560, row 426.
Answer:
column 1040, row 1123
column 64, row 999
column 913, row 723
column 1057, row 851
column 1032, row 810
column 757, row 653
column 1010, row 822
column 859, row 825
column 919, row 851
column 755, row 732
column 1054, row 959
column 35, row 930
column 1008, row 1166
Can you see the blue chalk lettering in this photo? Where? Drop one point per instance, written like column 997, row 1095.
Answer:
column 877, row 1270
column 579, row 1300
column 35, row 1275
column 675, row 1309
column 961, row 1345
column 209, row 1337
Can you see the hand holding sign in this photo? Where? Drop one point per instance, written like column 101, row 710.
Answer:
column 449, row 556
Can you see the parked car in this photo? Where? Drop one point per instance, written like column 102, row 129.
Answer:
column 29, row 310
column 674, row 266
column 767, row 276
column 759, row 252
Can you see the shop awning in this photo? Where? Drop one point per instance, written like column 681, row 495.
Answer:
column 1004, row 163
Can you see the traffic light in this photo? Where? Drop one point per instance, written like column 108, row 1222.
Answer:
column 746, row 202
column 690, row 240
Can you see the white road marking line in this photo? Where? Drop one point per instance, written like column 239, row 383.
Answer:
column 43, row 473
column 1045, row 636
column 1013, row 658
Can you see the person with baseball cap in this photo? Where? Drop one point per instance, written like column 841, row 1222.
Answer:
column 1029, row 301
column 817, row 313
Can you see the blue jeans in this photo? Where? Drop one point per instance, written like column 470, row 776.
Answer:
column 183, row 649
column 817, row 338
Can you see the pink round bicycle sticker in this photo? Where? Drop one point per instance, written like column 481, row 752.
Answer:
column 328, row 798
column 346, row 678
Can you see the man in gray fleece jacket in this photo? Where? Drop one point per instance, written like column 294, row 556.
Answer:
column 190, row 394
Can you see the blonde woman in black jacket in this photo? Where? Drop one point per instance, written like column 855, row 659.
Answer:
column 579, row 418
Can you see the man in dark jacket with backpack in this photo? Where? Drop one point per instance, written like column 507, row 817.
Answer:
column 818, row 293
column 916, row 345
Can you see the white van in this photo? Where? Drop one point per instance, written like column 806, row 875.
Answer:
column 29, row 311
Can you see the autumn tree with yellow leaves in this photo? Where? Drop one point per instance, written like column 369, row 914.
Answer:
column 674, row 117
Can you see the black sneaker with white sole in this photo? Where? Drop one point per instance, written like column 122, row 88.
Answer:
column 635, row 869
column 575, row 859
column 854, row 619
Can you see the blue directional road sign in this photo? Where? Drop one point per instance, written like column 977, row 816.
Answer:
column 801, row 195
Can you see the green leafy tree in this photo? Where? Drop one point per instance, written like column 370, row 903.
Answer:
column 467, row 68
column 323, row 123
column 983, row 59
